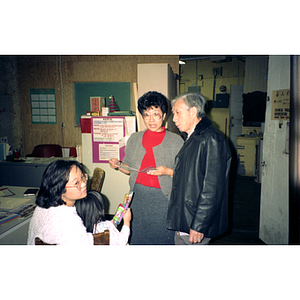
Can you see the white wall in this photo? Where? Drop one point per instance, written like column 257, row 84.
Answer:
column 274, row 217
column 156, row 77
column 115, row 184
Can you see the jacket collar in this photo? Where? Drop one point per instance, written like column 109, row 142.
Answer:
column 202, row 125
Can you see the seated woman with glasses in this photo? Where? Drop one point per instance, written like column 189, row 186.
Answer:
column 55, row 220
column 155, row 147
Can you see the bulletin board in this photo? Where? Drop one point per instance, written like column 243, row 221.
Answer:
column 106, row 135
column 84, row 90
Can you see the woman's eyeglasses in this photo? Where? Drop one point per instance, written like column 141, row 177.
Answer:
column 155, row 116
column 79, row 183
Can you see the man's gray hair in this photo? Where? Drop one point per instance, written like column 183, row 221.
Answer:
column 191, row 100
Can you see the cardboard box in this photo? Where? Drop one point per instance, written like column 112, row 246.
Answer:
column 96, row 103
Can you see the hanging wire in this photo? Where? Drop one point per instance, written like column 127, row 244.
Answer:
column 62, row 101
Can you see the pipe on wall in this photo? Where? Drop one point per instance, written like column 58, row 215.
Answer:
column 294, row 152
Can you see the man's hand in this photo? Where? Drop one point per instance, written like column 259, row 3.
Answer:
column 195, row 236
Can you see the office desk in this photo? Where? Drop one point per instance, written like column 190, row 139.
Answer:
column 15, row 232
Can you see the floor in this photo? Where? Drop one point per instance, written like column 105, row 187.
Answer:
column 244, row 206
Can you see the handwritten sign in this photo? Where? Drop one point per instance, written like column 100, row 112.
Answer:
column 280, row 105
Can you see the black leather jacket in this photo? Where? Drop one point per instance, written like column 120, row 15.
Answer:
column 199, row 197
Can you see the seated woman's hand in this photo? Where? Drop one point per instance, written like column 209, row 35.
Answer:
column 161, row 171
column 127, row 217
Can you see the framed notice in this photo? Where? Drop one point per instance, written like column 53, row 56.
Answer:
column 43, row 106
column 107, row 133
column 280, row 105
column 96, row 103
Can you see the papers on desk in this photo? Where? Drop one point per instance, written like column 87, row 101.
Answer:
column 7, row 203
column 6, row 192
column 20, row 212
column 6, row 216
column 14, row 206
column 24, row 210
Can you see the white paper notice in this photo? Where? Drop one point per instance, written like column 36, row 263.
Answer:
column 129, row 126
column 108, row 129
column 108, row 151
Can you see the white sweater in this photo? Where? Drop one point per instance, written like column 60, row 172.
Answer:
column 59, row 225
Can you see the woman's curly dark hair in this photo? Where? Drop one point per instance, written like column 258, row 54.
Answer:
column 54, row 181
column 155, row 99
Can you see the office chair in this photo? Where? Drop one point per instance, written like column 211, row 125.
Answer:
column 97, row 180
column 46, row 150
column 101, row 238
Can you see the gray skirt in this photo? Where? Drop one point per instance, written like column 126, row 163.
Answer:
column 149, row 208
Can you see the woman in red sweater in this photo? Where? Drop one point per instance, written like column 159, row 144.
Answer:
column 155, row 147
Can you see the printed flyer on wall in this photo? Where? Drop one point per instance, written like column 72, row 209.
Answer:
column 107, row 132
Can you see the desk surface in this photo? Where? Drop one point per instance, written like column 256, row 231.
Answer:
column 36, row 160
column 12, row 225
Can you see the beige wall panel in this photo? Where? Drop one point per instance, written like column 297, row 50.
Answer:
column 111, row 71
column 44, row 72
column 256, row 70
column 220, row 119
column 33, row 75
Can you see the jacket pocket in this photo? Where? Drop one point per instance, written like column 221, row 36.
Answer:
column 190, row 206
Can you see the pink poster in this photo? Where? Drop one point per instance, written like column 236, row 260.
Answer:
column 107, row 132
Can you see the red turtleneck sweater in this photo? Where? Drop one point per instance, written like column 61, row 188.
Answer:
column 150, row 140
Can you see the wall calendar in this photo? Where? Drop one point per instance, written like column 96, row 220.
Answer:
column 43, row 106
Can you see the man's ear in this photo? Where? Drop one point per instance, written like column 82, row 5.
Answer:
column 194, row 111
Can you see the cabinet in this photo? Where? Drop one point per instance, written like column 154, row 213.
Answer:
column 27, row 173
column 21, row 174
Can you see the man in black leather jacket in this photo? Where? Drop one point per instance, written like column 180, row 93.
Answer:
column 198, row 208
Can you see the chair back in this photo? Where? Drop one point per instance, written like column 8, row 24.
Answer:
column 46, row 150
column 39, row 242
column 101, row 238
column 97, row 180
